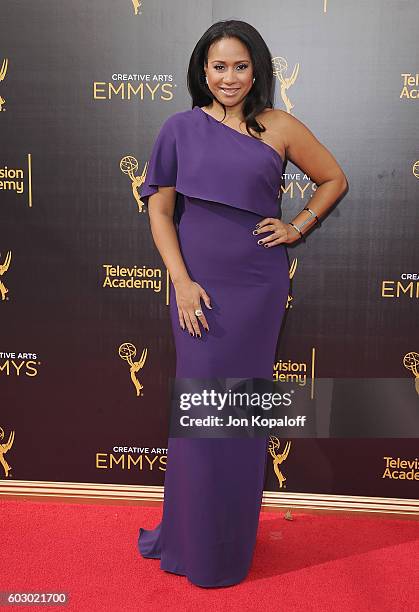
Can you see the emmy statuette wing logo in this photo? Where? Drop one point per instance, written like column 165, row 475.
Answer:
column 292, row 270
column 136, row 5
column 3, row 72
column 278, row 458
column 411, row 362
column 129, row 165
column 4, row 448
column 127, row 352
column 3, row 269
column 280, row 66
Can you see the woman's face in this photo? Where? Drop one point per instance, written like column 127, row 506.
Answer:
column 229, row 71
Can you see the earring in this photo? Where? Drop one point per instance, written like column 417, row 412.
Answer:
column 253, row 79
column 206, row 80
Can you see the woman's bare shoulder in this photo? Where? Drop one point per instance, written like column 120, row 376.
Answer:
column 274, row 120
column 274, row 117
column 289, row 127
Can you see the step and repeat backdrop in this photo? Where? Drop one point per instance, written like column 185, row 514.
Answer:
column 86, row 349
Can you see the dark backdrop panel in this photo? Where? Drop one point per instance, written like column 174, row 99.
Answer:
column 74, row 128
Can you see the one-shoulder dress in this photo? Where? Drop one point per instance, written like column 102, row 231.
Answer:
column 225, row 182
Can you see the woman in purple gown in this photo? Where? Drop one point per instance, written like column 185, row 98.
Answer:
column 211, row 189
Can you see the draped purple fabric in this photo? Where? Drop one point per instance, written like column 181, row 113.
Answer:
column 206, row 159
column 225, row 183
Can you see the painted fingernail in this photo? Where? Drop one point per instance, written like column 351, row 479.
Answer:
column 191, row 333
column 260, row 241
column 257, row 224
column 207, row 329
column 254, row 232
column 266, row 245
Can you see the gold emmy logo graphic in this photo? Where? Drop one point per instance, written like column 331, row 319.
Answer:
column 132, row 458
column 3, row 269
column 415, row 169
column 126, row 352
column 19, row 364
column 411, row 362
column 406, row 287
column 3, row 72
column 137, row 5
column 278, row 458
column 134, row 86
column 280, row 68
column 3, row 450
column 129, row 165
column 292, row 270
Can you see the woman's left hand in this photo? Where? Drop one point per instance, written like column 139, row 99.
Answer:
column 281, row 232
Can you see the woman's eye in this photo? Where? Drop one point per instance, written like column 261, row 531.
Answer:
column 239, row 66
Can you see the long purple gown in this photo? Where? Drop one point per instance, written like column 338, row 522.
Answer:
column 226, row 182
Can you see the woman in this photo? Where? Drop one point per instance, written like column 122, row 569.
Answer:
column 211, row 190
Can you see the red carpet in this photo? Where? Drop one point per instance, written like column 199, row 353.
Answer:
column 313, row 563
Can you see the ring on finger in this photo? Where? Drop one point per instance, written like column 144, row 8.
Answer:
column 198, row 312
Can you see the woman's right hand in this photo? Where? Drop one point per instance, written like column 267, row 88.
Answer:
column 188, row 298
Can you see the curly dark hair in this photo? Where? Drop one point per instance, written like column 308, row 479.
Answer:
column 261, row 94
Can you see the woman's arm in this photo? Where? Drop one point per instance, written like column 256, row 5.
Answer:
column 161, row 207
column 313, row 158
column 306, row 152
